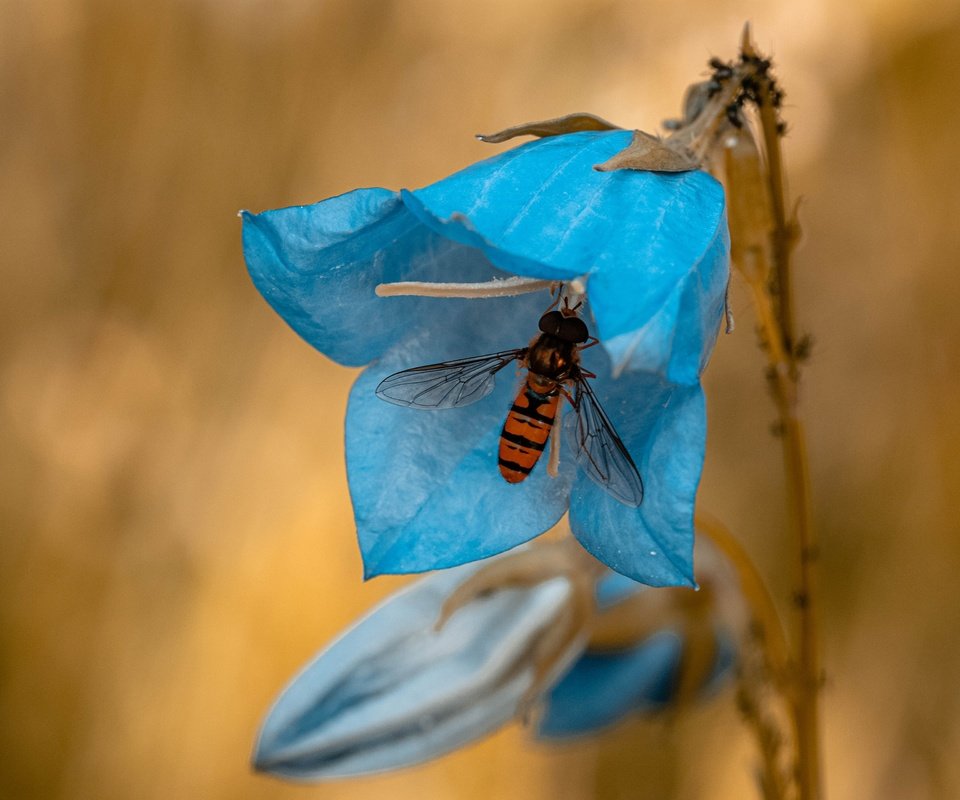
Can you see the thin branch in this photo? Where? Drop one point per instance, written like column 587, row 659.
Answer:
column 774, row 304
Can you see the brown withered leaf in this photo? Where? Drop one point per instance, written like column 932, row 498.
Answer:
column 571, row 123
column 651, row 154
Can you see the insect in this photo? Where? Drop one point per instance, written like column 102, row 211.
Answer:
column 552, row 361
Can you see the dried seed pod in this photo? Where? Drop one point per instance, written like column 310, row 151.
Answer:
column 748, row 206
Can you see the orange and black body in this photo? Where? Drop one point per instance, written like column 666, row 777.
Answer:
column 526, row 431
column 552, row 363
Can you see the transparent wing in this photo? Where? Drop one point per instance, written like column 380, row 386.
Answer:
column 599, row 450
column 450, row 384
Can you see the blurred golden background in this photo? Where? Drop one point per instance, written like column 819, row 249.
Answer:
column 177, row 535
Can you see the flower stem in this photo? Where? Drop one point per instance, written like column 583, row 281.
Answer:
column 763, row 233
column 773, row 300
column 764, row 661
column 762, row 609
column 782, row 376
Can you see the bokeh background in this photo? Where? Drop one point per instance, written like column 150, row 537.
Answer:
column 176, row 531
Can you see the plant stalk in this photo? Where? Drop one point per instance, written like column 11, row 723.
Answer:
column 774, row 304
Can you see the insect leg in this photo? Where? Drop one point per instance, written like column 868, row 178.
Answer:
column 558, row 288
column 565, row 393
column 553, row 460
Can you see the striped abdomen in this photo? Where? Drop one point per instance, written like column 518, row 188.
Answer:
column 527, row 429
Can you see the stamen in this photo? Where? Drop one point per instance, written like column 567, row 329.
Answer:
column 499, row 287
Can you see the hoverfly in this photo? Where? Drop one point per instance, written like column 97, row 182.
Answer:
column 552, row 361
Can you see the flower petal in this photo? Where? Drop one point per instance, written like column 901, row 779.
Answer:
column 655, row 245
column 664, row 428
column 677, row 340
column 318, row 266
column 392, row 691
column 602, row 688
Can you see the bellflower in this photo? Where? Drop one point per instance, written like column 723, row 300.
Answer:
column 416, row 678
column 651, row 249
column 535, row 635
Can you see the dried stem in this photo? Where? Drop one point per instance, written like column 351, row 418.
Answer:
column 773, row 300
column 770, row 779
column 763, row 612
column 764, row 667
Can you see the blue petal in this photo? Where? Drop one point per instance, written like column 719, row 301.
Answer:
column 318, row 266
column 664, row 428
column 601, row 689
column 655, row 245
column 392, row 692
column 426, row 489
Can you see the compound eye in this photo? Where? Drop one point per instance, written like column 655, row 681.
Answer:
column 574, row 329
column 551, row 322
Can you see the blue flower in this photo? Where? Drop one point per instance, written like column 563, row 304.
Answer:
column 425, row 486
column 462, row 652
